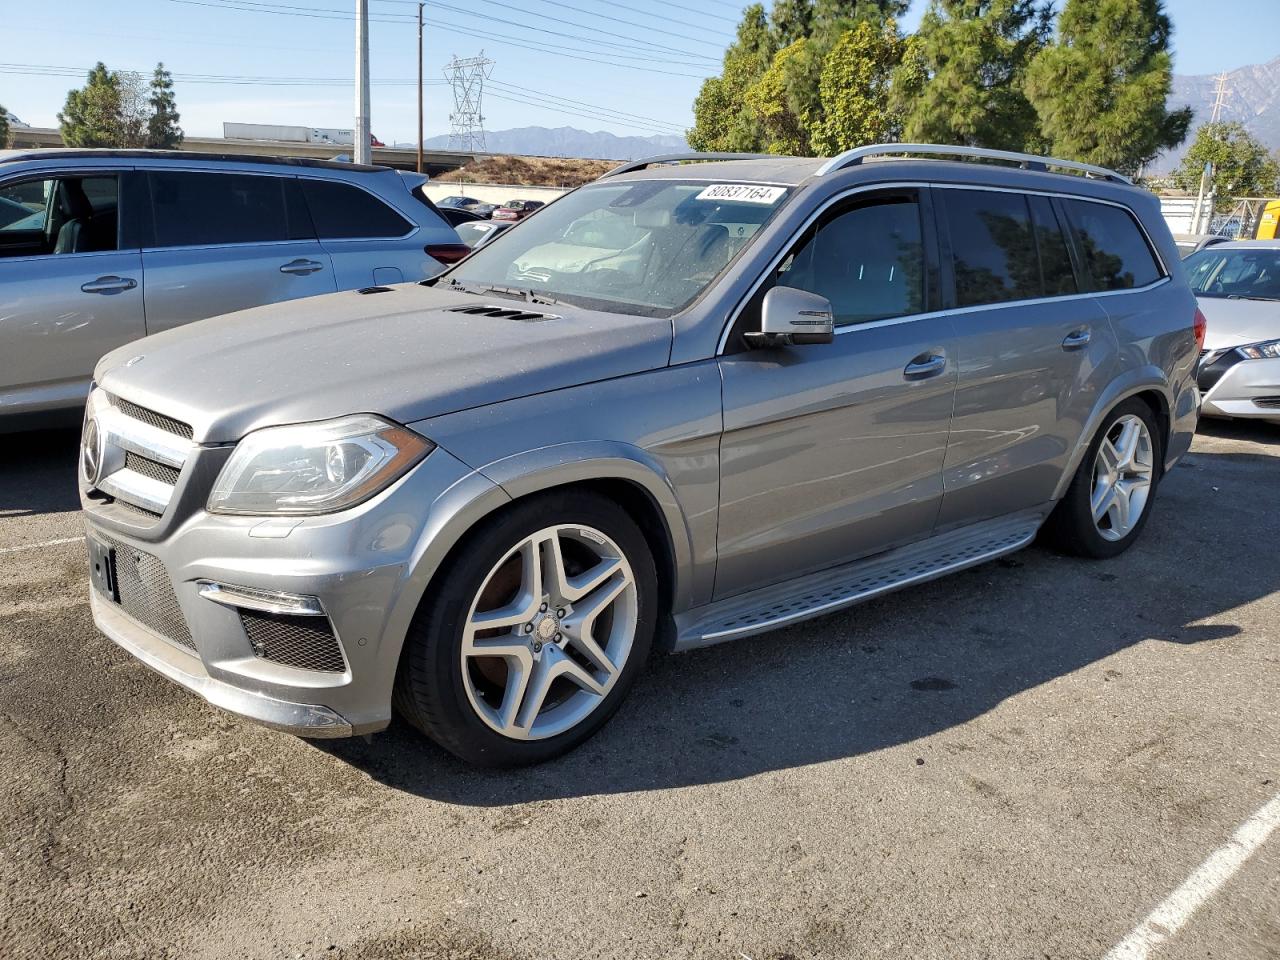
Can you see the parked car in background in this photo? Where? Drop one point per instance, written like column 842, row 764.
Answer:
column 120, row 244
column 1238, row 287
column 517, row 209
column 457, row 203
column 685, row 403
column 1189, row 243
column 458, row 215
column 479, row 232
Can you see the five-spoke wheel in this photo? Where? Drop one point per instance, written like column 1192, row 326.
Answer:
column 534, row 632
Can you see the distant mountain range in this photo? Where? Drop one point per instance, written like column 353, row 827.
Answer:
column 570, row 142
column 1252, row 98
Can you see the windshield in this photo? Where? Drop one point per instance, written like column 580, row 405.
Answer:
column 1252, row 274
column 475, row 231
column 647, row 247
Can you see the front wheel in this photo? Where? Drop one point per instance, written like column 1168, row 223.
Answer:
column 534, row 635
column 1110, row 497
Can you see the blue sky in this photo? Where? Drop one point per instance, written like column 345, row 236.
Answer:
column 627, row 66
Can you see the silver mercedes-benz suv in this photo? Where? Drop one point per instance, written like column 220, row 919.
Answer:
column 686, row 403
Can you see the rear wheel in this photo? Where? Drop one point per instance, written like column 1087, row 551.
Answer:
column 1111, row 494
column 534, row 635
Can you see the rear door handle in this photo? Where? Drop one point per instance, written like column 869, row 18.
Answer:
column 1077, row 339
column 301, row 267
column 110, row 284
column 925, row 366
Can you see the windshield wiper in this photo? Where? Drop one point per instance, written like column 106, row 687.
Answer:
column 1241, row 296
column 522, row 293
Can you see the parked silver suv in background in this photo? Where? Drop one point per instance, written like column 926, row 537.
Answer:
column 686, row 403
column 101, row 247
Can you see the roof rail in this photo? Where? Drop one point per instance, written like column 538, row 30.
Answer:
column 677, row 157
column 1028, row 161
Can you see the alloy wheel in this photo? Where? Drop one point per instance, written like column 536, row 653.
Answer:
column 549, row 632
column 1122, row 475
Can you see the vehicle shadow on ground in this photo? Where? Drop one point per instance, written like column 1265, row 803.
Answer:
column 901, row 668
column 38, row 472
column 1256, row 431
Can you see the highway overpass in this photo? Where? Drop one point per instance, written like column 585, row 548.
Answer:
column 435, row 161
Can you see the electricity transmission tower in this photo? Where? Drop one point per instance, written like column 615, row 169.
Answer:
column 1203, row 216
column 466, row 122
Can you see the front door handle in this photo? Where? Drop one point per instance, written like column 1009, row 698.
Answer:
column 110, row 284
column 1077, row 339
column 925, row 366
column 301, row 267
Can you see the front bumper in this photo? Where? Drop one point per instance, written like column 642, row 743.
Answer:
column 365, row 566
column 1248, row 389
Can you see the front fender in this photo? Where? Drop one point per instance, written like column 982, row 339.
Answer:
column 542, row 468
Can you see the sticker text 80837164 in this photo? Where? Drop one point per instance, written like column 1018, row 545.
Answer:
column 742, row 193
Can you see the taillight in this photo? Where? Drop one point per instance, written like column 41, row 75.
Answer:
column 1201, row 328
column 447, row 253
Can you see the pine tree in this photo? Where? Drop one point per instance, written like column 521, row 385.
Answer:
column 962, row 77
column 1242, row 167
column 1100, row 90
column 163, row 131
column 91, row 115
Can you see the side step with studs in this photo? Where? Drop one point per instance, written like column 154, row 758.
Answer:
column 828, row 590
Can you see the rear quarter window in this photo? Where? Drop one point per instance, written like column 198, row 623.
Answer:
column 1113, row 247
column 343, row 212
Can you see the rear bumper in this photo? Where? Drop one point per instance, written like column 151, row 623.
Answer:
column 187, row 670
column 1249, row 389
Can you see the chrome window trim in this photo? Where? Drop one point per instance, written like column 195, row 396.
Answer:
column 899, row 184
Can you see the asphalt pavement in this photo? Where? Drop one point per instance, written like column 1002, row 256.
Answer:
column 1024, row 760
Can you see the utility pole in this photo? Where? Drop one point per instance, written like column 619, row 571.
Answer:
column 420, row 6
column 362, row 152
column 1203, row 218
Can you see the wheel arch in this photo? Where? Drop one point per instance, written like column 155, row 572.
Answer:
column 1148, row 384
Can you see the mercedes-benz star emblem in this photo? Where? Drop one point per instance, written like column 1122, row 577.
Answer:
column 91, row 452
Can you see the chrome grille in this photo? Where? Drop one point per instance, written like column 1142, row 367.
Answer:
column 150, row 417
column 137, row 454
column 304, row 642
column 146, row 593
column 150, row 468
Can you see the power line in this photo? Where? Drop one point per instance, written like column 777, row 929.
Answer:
column 327, row 13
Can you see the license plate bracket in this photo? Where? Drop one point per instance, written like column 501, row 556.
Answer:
column 102, row 569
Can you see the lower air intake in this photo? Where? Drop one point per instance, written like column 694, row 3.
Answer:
column 146, row 594
column 306, row 643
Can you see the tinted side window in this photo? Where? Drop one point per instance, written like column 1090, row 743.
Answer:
column 207, row 208
column 1055, row 260
column 1115, row 253
column 868, row 261
column 992, row 247
column 341, row 211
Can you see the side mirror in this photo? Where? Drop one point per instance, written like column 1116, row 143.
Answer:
column 791, row 316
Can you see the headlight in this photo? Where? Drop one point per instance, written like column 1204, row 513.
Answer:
column 1267, row 350
column 315, row 467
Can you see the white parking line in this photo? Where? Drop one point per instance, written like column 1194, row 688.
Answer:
column 37, row 546
column 1176, row 909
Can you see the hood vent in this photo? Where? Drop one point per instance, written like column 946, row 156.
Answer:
column 503, row 313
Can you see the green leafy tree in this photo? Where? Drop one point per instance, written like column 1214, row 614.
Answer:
column 721, row 119
column 1100, row 90
column 854, row 89
column 961, row 81
column 4, row 126
column 163, row 131
column 1242, row 167
column 791, row 20
column 773, row 106
column 91, row 115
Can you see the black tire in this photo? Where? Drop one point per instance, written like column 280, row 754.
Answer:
column 1070, row 528
column 429, row 690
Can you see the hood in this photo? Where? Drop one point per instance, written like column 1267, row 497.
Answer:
column 1233, row 323
column 406, row 353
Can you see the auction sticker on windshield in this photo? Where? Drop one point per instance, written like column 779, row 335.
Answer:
column 742, row 193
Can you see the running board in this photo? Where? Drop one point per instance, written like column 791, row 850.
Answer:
column 809, row 596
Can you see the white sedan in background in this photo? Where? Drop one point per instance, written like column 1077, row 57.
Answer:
column 1238, row 287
